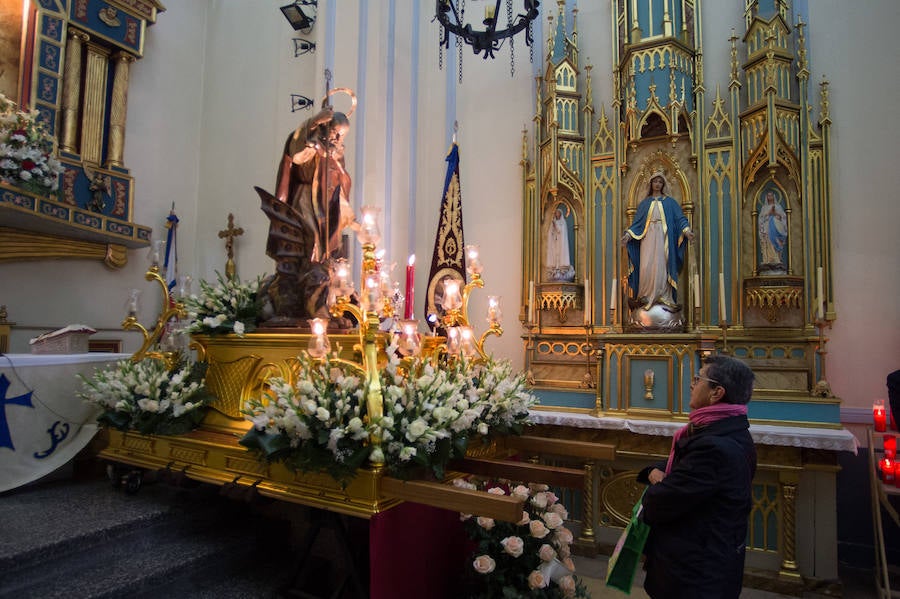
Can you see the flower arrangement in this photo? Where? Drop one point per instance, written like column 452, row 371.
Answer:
column 25, row 150
column 528, row 558
column 230, row 306
column 148, row 397
column 430, row 409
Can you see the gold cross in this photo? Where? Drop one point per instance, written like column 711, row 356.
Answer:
column 228, row 234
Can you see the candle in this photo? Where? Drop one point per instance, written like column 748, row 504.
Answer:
column 452, row 299
column 887, row 471
column 723, row 313
column 696, row 290
column 820, row 301
column 879, row 416
column 613, row 294
column 890, row 446
column 410, row 287
column 493, row 315
column 530, row 302
column 587, row 301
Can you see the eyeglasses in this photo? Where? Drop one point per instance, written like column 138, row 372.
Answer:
column 697, row 377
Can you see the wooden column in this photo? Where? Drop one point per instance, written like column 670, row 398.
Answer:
column 94, row 103
column 71, row 90
column 118, row 109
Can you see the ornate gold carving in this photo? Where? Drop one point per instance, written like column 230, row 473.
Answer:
column 226, row 380
column 16, row 245
column 188, row 454
column 719, row 124
column 560, row 300
column 94, row 105
column 618, row 494
column 449, row 251
column 788, row 547
column 138, row 442
column 649, row 379
column 71, row 90
column 772, row 299
column 246, row 466
column 118, row 110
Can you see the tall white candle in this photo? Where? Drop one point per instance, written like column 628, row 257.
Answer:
column 530, row 302
column 723, row 313
column 696, row 290
column 820, row 296
column 587, row 301
column 613, row 294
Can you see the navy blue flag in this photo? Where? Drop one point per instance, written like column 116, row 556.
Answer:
column 448, row 258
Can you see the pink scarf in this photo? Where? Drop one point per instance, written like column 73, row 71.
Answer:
column 703, row 417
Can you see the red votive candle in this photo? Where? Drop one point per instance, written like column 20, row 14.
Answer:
column 887, row 471
column 879, row 415
column 890, row 446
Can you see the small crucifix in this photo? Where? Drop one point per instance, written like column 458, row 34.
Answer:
column 228, row 234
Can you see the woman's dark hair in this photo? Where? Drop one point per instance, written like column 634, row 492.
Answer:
column 732, row 375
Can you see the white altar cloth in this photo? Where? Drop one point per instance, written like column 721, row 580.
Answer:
column 43, row 423
column 763, row 434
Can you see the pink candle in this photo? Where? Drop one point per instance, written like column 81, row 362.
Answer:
column 890, row 446
column 410, row 288
column 879, row 416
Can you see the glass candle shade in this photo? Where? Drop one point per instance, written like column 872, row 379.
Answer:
column 373, row 294
column 340, row 278
column 467, row 341
column 133, row 303
column 494, row 315
column 319, row 345
column 368, row 233
column 473, row 263
column 409, row 342
column 453, row 338
column 452, row 299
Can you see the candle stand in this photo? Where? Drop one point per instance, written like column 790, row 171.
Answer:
column 822, row 388
column 723, row 324
column 587, row 381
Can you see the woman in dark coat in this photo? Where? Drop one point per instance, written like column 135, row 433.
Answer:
column 698, row 502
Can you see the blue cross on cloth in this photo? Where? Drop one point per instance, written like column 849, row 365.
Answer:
column 21, row 400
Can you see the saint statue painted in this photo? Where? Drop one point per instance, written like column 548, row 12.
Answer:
column 772, row 225
column 557, row 255
column 656, row 243
column 307, row 215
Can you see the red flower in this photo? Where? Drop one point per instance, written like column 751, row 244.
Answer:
column 28, row 165
column 21, row 132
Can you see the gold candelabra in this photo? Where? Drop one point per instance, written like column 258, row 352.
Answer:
column 373, row 304
column 171, row 309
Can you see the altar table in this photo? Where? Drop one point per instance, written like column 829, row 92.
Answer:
column 43, row 423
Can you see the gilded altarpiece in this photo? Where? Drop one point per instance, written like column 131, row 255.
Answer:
column 748, row 168
column 72, row 66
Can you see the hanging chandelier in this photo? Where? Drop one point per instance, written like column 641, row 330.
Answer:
column 451, row 15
